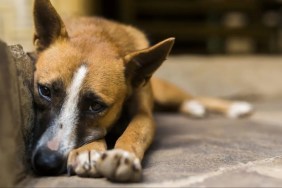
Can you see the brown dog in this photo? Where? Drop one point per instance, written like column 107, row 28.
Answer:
column 93, row 91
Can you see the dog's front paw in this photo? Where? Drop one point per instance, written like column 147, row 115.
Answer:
column 120, row 166
column 83, row 163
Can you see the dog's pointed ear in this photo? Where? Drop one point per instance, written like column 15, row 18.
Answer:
column 141, row 65
column 49, row 26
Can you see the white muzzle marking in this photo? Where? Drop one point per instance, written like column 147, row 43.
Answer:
column 63, row 127
column 69, row 113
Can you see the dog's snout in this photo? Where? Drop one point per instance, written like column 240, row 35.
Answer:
column 48, row 162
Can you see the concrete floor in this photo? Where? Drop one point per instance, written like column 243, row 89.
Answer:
column 210, row 152
column 247, row 77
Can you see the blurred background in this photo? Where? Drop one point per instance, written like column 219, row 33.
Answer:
column 200, row 26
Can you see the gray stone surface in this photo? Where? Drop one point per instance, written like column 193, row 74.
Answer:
column 264, row 173
column 209, row 152
column 24, row 74
column 252, row 77
column 25, row 68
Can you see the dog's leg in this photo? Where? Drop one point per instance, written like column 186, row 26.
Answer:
column 231, row 109
column 83, row 160
column 123, row 163
column 169, row 97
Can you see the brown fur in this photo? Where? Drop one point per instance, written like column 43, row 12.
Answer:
column 120, row 64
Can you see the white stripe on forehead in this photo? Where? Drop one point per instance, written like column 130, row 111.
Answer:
column 59, row 136
column 69, row 109
column 69, row 112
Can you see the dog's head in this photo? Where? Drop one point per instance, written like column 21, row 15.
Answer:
column 80, row 87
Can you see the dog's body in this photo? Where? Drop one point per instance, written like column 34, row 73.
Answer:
column 93, row 76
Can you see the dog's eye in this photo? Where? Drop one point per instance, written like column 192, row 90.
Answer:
column 45, row 92
column 96, row 107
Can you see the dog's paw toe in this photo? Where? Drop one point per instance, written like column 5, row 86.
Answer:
column 84, row 163
column 120, row 166
column 193, row 108
column 239, row 109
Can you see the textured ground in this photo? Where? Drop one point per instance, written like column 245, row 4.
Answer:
column 210, row 152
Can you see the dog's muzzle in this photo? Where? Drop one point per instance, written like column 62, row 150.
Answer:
column 48, row 162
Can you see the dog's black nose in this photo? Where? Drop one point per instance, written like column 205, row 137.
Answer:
column 48, row 162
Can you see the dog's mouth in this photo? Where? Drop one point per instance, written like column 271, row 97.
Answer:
column 46, row 162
